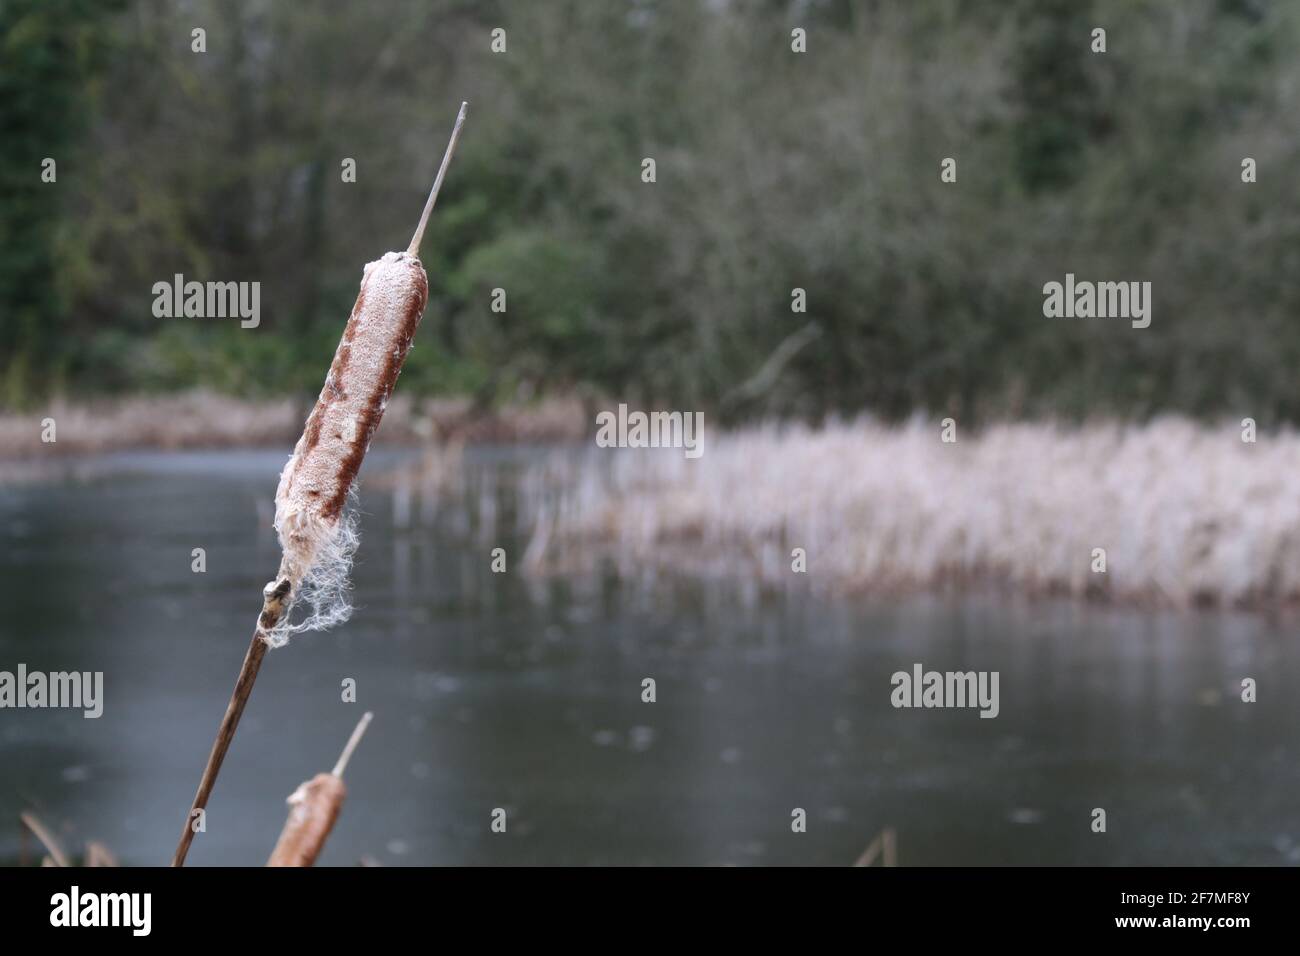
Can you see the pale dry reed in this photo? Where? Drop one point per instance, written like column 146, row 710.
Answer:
column 1185, row 512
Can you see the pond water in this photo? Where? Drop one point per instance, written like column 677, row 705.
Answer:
column 510, row 691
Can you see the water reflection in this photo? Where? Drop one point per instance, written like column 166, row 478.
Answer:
column 524, row 692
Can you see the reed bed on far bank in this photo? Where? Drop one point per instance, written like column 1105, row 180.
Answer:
column 1185, row 513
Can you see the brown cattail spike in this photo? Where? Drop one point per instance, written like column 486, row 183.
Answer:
column 315, row 483
column 313, row 809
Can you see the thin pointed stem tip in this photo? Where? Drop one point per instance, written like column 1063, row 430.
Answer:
column 414, row 248
column 352, row 744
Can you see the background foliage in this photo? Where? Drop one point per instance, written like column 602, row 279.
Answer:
column 775, row 170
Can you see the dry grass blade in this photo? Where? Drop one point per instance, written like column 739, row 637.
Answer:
column 97, row 854
column 883, row 845
column 56, row 855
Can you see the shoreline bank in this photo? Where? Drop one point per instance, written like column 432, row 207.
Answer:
column 208, row 420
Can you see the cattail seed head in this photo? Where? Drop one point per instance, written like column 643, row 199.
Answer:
column 313, row 808
column 316, row 539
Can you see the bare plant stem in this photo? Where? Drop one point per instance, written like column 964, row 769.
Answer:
column 273, row 606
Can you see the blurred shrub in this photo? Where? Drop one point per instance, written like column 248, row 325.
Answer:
column 775, row 170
